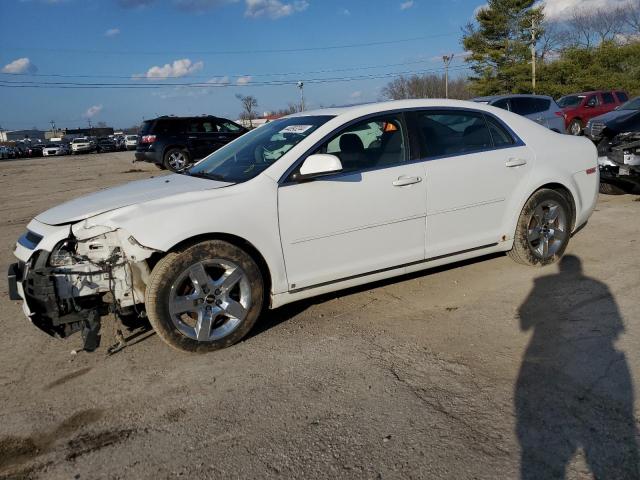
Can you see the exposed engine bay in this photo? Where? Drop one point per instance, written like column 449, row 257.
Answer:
column 619, row 160
column 93, row 272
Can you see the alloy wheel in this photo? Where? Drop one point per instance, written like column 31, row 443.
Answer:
column 177, row 160
column 548, row 229
column 210, row 300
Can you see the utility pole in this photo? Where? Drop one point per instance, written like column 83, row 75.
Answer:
column 447, row 61
column 533, row 55
column 301, row 87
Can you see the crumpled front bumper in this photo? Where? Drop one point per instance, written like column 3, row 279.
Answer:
column 36, row 288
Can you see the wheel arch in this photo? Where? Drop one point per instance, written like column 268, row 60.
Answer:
column 239, row 242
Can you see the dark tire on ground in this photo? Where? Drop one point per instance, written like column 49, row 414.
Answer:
column 160, row 166
column 174, row 265
column 170, row 164
column 575, row 127
column 609, row 189
column 522, row 251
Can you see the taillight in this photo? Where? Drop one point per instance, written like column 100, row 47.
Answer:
column 591, row 171
column 148, row 139
column 561, row 114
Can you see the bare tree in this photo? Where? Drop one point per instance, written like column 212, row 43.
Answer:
column 589, row 28
column 425, row 86
column 249, row 103
column 632, row 17
column 291, row 108
column 554, row 38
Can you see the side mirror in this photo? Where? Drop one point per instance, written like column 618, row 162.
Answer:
column 318, row 165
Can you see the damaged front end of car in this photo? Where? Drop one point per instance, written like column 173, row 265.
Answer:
column 619, row 160
column 90, row 272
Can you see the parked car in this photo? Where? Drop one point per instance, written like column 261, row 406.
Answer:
column 120, row 142
column 304, row 205
column 579, row 108
column 175, row 143
column 539, row 108
column 22, row 149
column 105, row 145
column 35, row 150
column 82, row 145
column 4, row 152
column 619, row 154
column 11, row 152
column 130, row 142
column 596, row 125
column 55, row 149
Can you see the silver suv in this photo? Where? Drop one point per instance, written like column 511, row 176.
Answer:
column 539, row 108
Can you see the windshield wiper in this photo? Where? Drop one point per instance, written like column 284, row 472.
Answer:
column 208, row 176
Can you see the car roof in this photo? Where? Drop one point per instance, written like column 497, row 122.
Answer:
column 381, row 107
column 491, row 98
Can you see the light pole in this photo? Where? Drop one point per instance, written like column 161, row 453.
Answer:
column 301, row 87
column 447, row 61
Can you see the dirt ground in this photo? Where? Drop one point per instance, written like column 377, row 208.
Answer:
column 481, row 370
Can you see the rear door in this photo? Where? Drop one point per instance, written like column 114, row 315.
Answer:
column 474, row 167
column 198, row 143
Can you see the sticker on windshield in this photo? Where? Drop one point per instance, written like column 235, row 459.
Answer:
column 296, row 129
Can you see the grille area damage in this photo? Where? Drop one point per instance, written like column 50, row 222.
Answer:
column 620, row 160
column 93, row 272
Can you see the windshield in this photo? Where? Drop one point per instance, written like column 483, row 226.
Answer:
column 570, row 101
column 631, row 104
column 252, row 153
column 81, row 140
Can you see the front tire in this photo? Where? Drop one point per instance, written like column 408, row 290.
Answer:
column 204, row 298
column 609, row 189
column 543, row 230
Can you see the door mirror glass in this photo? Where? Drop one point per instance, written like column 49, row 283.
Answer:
column 318, row 165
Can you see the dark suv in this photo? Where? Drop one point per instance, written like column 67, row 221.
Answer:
column 175, row 143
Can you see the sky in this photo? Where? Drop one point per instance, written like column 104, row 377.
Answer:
column 344, row 51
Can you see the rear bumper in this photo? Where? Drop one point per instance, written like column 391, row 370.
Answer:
column 146, row 156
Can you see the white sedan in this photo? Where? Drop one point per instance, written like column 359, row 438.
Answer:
column 308, row 204
column 55, row 149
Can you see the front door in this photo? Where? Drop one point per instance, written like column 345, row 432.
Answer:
column 369, row 217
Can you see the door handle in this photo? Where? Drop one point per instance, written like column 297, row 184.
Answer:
column 404, row 181
column 515, row 162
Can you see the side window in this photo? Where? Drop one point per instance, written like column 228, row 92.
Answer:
column 607, row 97
column 622, row 97
column 376, row 142
column 500, row 137
column 593, row 101
column 167, row 127
column 228, row 127
column 452, row 132
column 195, row 126
column 503, row 104
column 528, row 106
column 542, row 104
column 209, row 127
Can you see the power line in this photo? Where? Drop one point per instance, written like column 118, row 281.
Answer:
column 234, row 52
column 146, row 86
column 218, row 75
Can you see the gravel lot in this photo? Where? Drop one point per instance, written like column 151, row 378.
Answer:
column 453, row 373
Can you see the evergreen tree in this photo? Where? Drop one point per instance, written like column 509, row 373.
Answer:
column 499, row 44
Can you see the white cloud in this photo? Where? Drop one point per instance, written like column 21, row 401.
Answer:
column 345, row 11
column 243, row 80
column 20, row 65
column 92, row 111
column 274, row 8
column 177, row 69
column 112, row 32
column 219, row 80
column 407, row 5
column 355, row 95
column 563, row 9
column 201, row 5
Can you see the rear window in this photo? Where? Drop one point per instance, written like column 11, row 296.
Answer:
column 529, row 106
column 169, row 126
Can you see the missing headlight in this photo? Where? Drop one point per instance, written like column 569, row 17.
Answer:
column 63, row 253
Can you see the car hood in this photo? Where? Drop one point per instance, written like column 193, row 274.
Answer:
column 614, row 115
column 124, row 195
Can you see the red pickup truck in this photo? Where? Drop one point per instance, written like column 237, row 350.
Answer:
column 579, row 108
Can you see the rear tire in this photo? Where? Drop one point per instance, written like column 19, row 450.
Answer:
column 176, row 159
column 609, row 189
column 543, row 230
column 575, row 128
column 204, row 298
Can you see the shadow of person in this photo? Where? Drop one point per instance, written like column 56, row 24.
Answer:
column 574, row 389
